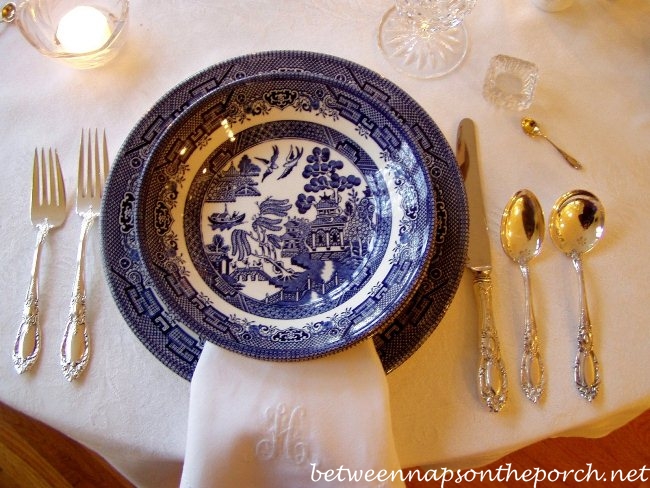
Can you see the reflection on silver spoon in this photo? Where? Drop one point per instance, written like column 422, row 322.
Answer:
column 576, row 225
column 522, row 233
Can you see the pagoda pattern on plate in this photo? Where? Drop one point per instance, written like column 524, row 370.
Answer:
column 286, row 244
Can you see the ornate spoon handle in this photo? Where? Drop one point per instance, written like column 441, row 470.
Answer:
column 75, row 347
column 532, row 367
column 567, row 157
column 28, row 339
column 493, row 381
column 586, row 370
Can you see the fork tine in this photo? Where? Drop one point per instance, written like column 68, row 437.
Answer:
column 60, row 187
column 80, row 166
column 96, row 188
column 105, row 166
column 52, row 195
column 89, row 166
column 43, row 171
column 36, row 187
column 45, row 194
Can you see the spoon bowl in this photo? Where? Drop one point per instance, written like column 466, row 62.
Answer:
column 522, row 233
column 530, row 127
column 577, row 223
column 522, row 227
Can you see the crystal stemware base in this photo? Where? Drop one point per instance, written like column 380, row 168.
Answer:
column 419, row 52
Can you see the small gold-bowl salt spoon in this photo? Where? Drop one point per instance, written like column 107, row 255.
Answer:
column 530, row 127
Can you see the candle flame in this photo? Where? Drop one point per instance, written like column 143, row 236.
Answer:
column 83, row 29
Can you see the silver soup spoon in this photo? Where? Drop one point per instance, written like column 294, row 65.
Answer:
column 576, row 225
column 522, row 233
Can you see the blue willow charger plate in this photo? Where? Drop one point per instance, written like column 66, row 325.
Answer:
column 285, row 216
column 161, row 327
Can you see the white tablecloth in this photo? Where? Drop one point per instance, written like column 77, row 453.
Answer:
column 592, row 98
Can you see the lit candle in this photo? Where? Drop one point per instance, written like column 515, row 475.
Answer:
column 83, row 29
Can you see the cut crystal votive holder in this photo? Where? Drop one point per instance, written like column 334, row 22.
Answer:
column 510, row 82
column 84, row 34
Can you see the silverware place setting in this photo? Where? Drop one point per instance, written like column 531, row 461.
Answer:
column 48, row 211
column 576, row 224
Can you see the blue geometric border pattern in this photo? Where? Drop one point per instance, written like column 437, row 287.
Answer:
column 167, row 338
column 258, row 100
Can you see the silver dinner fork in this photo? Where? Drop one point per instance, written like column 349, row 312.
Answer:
column 92, row 172
column 48, row 210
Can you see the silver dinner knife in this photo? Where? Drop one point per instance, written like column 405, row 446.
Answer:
column 492, row 378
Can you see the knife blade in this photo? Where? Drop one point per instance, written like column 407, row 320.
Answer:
column 492, row 377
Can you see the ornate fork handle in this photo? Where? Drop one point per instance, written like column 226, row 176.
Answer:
column 28, row 339
column 75, row 347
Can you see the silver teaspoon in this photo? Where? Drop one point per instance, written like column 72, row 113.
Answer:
column 576, row 225
column 522, row 233
column 530, row 127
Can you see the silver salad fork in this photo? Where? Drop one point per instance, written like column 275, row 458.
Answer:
column 48, row 210
column 92, row 173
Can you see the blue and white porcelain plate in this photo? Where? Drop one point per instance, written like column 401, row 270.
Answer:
column 160, row 327
column 285, row 216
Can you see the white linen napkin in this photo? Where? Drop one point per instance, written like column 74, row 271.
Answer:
column 259, row 424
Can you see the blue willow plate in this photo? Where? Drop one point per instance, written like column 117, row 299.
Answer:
column 285, row 216
column 159, row 328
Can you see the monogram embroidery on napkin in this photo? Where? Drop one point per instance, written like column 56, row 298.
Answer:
column 284, row 435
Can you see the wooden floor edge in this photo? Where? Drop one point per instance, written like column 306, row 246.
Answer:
column 32, row 454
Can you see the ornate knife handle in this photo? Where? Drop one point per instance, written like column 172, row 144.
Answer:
column 586, row 370
column 28, row 339
column 492, row 378
column 75, row 347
